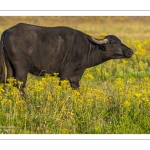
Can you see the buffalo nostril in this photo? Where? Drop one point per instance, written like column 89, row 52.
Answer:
column 129, row 53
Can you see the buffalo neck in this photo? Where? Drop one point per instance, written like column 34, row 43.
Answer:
column 96, row 56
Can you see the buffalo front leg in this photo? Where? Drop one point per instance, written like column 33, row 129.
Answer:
column 73, row 77
column 72, row 73
column 74, row 82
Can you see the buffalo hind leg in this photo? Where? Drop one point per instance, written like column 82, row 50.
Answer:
column 10, row 69
column 21, row 77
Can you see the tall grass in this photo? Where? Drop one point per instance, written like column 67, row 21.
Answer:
column 113, row 97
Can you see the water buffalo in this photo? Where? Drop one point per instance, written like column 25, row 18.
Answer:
column 28, row 48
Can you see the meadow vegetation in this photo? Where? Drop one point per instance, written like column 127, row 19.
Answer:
column 113, row 98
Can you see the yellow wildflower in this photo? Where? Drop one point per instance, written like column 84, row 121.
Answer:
column 89, row 76
column 127, row 103
column 19, row 102
column 6, row 101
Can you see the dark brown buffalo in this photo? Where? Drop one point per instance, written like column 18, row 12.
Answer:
column 28, row 48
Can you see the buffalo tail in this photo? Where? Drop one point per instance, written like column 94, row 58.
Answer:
column 2, row 61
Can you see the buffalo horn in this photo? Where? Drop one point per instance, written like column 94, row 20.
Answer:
column 102, row 41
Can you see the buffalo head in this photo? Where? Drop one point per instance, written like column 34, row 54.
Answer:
column 114, row 47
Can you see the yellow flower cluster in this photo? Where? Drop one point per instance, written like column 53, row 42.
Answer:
column 6, row 102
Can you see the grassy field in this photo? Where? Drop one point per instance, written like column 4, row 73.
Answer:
column 114, row 97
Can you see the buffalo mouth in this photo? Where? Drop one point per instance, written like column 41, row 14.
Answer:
column 119, row 55
column 128, row 53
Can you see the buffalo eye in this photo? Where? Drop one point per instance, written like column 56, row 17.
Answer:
column 113, row 42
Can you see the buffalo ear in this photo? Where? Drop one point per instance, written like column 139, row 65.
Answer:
column 101, row 41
